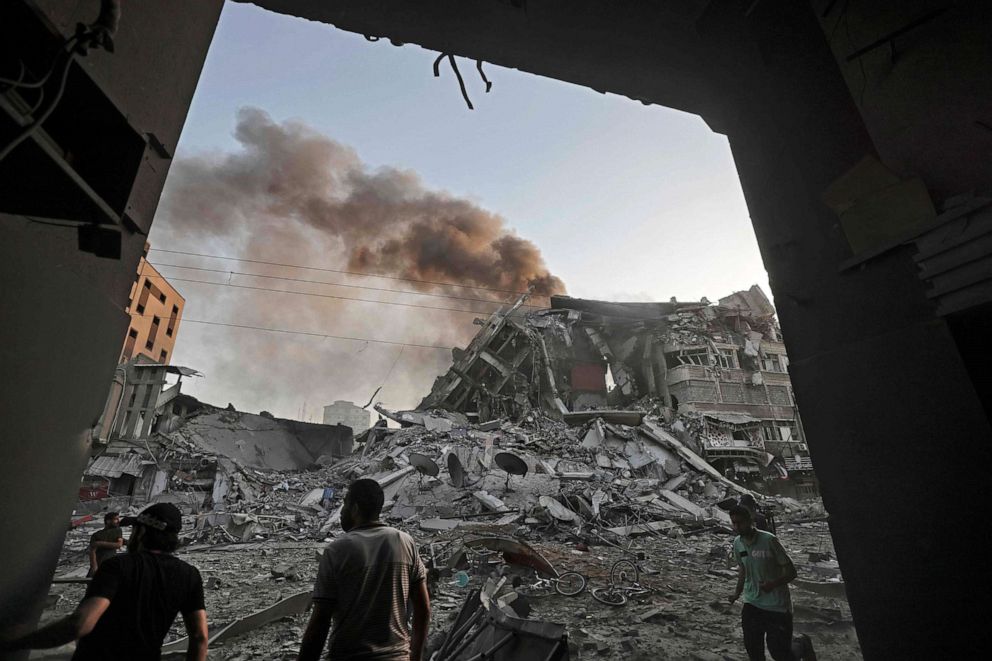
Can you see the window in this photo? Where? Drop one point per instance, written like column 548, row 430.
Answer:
column 140, row 309
column 695, row 357
column 153, row 333
column 171, row 328
column 727, row 359
column 132, row 336
column 162, row 357
column 771, row 363
column 770, row 432
column 148, row 284
column 161, row 298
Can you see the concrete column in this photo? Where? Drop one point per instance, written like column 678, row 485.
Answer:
column 895, row 428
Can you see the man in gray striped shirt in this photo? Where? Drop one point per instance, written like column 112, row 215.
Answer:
column 365, row 581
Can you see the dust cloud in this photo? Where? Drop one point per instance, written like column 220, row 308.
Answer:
column 291, row 195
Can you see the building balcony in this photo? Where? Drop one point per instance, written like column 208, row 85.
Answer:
column 698, row 373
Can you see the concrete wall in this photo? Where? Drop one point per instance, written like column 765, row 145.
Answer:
column 64, row 310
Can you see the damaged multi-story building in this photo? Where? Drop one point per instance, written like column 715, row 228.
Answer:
column 718, row 372
column 153, row 443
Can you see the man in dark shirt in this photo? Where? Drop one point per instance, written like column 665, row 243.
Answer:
column 105, row 542
column 133, row 599
column 365, row 582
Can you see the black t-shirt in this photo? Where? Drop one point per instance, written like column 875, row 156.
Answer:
column 146, row 591
column 106, row 535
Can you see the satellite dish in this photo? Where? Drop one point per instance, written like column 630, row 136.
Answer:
column 455, row 470
column 512, row 464
column 424, row 464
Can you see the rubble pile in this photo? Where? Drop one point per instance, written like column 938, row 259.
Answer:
column 582, row 497
column 562, row 517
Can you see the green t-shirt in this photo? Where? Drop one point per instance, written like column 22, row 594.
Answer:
column 106, row 535
column 763, row 559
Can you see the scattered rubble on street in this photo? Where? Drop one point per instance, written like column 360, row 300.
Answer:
column 505, row 496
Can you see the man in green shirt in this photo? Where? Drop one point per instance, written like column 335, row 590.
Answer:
column 105, row 542
column 764, row 573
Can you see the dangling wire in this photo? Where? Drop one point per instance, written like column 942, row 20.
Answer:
column 458, row 75
column 489, row 84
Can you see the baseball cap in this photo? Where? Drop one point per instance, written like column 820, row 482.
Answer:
column 160, row 516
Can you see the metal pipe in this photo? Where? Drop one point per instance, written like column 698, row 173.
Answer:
column 468, row 641
column 456, row 635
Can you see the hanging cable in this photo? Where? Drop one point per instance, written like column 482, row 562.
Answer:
column 322, row 282
column 98, row 34
column 356, row 273
column 458, row 75
column 489, row 84
column 340, row 298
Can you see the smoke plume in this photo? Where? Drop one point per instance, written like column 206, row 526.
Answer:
column 385, row 221
column 290, row 194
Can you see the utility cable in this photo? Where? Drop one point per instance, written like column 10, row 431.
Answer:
column 356, row 273
column 98, row 34
column 342, row 298
column 323, row 282
column 312, row 334
column 33, row 127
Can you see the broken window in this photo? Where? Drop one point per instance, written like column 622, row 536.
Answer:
column 771, row 432
column 694, row 357
column 772, row 362
column 727, row 358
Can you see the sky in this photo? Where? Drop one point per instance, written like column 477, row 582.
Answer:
column 623, row 201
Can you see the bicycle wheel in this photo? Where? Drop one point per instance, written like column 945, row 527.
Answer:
column 609, row 596
column 570, row 583
column 624, row 574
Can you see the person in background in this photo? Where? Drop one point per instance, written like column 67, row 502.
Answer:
column 133, row 599
column 764, row 573
column 105, row 542
column 365, row 581
column 761, row 521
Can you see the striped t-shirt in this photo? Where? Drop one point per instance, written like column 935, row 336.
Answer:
column 365, row 577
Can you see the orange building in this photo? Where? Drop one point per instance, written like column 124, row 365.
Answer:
column 156, row 309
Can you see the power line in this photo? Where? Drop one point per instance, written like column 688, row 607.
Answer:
column 342, row 298
column 322, row 282
column 356, row 273
column 311, row 334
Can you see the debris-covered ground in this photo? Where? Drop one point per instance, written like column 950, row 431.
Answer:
column 577, row 498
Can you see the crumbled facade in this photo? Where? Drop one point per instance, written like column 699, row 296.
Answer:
column 717, row 372
column 155, row 444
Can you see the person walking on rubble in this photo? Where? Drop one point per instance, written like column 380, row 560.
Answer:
column 365, row 581
column 105, row 542
column 764, row 573
column 133, row 599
